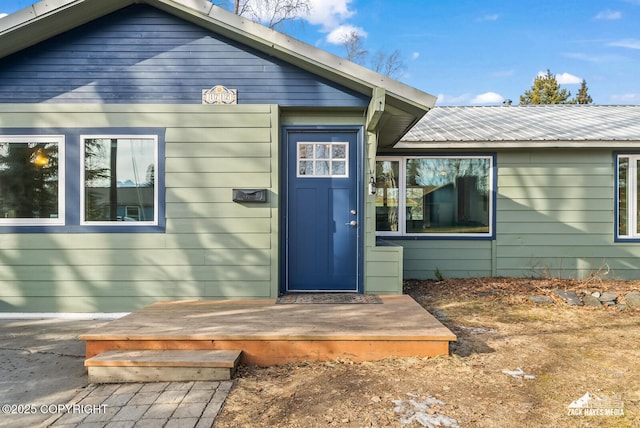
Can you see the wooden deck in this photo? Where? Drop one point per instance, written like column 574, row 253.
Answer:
column 271, row 334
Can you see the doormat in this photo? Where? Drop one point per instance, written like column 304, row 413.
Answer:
column 334, row 298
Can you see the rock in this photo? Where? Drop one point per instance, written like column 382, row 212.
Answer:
column 621, row 306
column 541, row 300
column 596, row 294
column 570, row 297
column 591, row 301
column 608, row 296
column 633, row 300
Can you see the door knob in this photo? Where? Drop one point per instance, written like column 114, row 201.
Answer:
column 352, row 223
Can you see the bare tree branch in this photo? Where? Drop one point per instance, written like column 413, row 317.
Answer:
column 388, row 64
column 272, row 13
column 353, row 44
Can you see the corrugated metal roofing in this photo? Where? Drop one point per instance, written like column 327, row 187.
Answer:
column 539, row 123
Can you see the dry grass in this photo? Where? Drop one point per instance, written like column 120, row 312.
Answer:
column 570, row 350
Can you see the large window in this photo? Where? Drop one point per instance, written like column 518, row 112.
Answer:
column 628, row 186
column 118, row 178
column 435, row 196
column 32, row 180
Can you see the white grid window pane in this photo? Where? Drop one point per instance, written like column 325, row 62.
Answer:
column 323, row 159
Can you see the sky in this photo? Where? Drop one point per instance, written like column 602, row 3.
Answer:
column 481, row 52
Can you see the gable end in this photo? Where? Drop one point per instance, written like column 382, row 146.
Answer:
column 143, row 55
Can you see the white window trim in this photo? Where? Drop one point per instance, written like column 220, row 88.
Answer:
column 632, row 194
column 402, row 190
column 83, row 220
column 331, row 143
column 60, row 140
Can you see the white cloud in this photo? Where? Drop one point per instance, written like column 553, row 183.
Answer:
column 608, row 15
column 415, row 55
column 563, row 78
column 445, row 99
column 586, row 57
column 626, row 43
column 489, row 17
column 568, row 79
column 625, row 98
column 329, row 13
column 2, row 15
column 339, row 34
column 487, row 98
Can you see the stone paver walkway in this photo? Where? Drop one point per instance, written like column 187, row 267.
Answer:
column 161, row 404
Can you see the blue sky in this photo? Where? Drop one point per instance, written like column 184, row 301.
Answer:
column 479, row 52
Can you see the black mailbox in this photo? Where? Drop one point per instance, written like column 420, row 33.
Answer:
column 249, row 195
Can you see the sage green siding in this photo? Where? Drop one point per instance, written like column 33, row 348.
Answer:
column 383, row 261
column 452, row 258
column 212, row 248
column 554, row 217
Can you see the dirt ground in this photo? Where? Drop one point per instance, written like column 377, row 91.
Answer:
column 515, row 364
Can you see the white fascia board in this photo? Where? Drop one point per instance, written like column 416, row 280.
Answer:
column 49, row 18
column 45, row 8
column 32, row 12
column 203, row 12
column 488, row 145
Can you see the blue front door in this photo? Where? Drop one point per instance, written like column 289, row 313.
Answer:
column 322, row 212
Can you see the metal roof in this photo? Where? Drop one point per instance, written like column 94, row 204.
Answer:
column 537, row 125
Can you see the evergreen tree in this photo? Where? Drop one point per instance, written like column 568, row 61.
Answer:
column 583, row 97
column 546, row 90
column 28, row 180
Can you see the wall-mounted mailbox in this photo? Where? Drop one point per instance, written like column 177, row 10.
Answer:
column 249, row 195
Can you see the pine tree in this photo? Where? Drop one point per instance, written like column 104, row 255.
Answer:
column 546, row 90
column 583, row 97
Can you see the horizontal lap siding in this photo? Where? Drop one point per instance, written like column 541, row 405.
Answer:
column 212, row 248
column 452, row 258
column 143, row 55
column 556, row 215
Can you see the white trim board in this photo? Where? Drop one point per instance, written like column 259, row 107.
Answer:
column 62, row 315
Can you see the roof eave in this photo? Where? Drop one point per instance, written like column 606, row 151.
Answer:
column 49, row 18
column 515, row 144
column 300, row 54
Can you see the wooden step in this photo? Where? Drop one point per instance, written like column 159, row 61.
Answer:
column 162, row 366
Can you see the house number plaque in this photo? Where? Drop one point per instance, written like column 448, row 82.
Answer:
column 219, row 95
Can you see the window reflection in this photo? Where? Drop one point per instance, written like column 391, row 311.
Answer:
column 387, row 174
column 119, row 179
column 434, row 195
column 29, row 180
column 447, row 195
column 322, row 160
